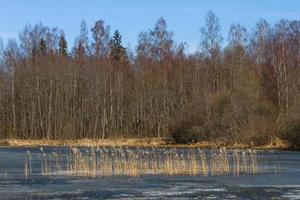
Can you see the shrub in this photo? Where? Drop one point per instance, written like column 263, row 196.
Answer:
column 292, row 135
column 189, row 134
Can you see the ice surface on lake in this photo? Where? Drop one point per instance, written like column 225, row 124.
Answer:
column 13, row 185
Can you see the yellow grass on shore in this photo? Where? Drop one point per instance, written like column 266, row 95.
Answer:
column 134, row 142
column 84, row 142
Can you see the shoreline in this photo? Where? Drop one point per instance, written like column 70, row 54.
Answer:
column 134, row 142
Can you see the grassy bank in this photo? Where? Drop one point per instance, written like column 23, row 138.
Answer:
column 136, row 142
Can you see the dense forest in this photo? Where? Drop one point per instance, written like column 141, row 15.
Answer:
column 242, row 88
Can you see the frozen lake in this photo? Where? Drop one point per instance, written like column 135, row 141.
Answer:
column 285, row 184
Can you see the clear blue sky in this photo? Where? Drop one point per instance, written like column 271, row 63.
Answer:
column 184, row 17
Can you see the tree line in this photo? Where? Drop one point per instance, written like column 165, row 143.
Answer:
column 245, row 91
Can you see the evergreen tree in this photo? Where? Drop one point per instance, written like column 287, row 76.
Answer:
column 42, row 47
column 63, row 46
column 118, row 53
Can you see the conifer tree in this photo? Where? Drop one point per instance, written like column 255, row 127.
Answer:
column 42, row 47
column 63, row 46
column 118, row 53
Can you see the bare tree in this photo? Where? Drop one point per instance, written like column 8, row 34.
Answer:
column 11, row 55
column 101, row 39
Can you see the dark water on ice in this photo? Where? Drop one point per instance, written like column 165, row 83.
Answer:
column 282, row 185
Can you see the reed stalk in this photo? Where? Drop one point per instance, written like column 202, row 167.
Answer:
column 94, row 162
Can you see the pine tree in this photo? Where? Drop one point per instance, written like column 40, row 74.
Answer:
column 42, row 47
column 63, row 47
column 118, row 53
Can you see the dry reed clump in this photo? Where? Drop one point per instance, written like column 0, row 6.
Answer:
column 27, row 165
column 117, row 161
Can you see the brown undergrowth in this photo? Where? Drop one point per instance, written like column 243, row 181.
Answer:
column 137, row 142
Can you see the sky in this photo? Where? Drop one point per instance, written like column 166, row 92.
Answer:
column 184, row 17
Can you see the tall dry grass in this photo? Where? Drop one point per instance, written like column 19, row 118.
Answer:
column 122, row 161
